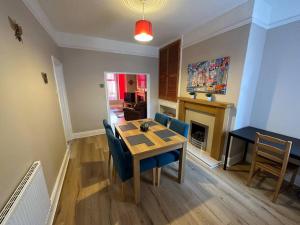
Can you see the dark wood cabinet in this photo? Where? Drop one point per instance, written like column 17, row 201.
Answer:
column 169, row 60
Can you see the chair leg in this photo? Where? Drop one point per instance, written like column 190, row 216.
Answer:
column 251, row 174
column 278, row 186
column 122, row 190
column 158, row 170
column 109, row 162
column 293, row 178
column 154, row 176
column 114, row 175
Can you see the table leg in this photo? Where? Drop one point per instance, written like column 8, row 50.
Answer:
column 182, row 159
column 136, row 179
column 116, row 133
column 227, row 151
column 245, row 152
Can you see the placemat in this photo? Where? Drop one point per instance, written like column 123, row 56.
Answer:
column 128, row 126
column 165, row 134
column 139, row 139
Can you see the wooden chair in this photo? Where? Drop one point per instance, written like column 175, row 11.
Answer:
column 271, row 155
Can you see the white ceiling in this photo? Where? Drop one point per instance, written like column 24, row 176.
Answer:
column 112, row 19
column 283, row 10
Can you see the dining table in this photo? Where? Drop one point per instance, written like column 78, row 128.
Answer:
column 157, row 140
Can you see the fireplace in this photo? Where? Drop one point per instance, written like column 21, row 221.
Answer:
column 215, row 116
column 198, row 135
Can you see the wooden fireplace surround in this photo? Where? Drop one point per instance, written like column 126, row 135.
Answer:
column 221, row 112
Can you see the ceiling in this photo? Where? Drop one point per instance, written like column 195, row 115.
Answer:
column 283, row 10
column 114, row 19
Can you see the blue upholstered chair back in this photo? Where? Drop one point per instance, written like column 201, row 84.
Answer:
column 161, row 118
column 107, row 125
column 122, row 160
column 179, row 127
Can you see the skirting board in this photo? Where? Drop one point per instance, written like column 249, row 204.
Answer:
column 88, row 133
column 233, row 160
column 58, row 186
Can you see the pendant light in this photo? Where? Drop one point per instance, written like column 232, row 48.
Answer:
column 143, row 28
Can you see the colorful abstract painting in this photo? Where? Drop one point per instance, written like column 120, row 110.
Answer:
column 209, row 76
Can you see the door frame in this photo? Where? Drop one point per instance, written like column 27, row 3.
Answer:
column 62, row 98
column 148, row 91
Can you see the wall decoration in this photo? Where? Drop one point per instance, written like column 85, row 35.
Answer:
column 130, row 82
column 209, row 76
column 16, row 28
column 45, row 77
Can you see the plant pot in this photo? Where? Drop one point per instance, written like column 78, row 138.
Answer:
column 193, row 96
column 209, row 99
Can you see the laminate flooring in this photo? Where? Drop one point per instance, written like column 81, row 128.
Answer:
column 208, row 196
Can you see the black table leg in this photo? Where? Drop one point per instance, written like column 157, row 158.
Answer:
column 116, row 133
column 245, row 152
column 227, row 151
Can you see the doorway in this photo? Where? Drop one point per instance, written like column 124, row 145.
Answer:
column 127, row 96
column 62, row 97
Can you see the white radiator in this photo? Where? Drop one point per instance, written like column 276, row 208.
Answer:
column 30, row 203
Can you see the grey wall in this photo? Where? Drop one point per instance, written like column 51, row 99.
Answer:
column 30, row 121
column 277, row 102
column 84, row 71
column 232, row 43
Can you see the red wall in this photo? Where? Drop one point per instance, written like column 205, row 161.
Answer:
column 122, row 80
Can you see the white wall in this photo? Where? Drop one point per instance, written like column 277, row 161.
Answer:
column 277, row 101
column 251, row 72
column 284, row 10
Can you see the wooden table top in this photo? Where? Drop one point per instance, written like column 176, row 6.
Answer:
column 156, row 142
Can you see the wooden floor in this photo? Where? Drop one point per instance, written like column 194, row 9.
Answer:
column 207, row 196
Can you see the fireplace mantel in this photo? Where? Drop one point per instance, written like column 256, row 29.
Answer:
column 221, row 112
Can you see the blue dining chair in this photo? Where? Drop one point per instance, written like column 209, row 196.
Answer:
column 173, row 156
column 108, row 129
column 161, row 118
column 123, row 161
column 107, row 125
